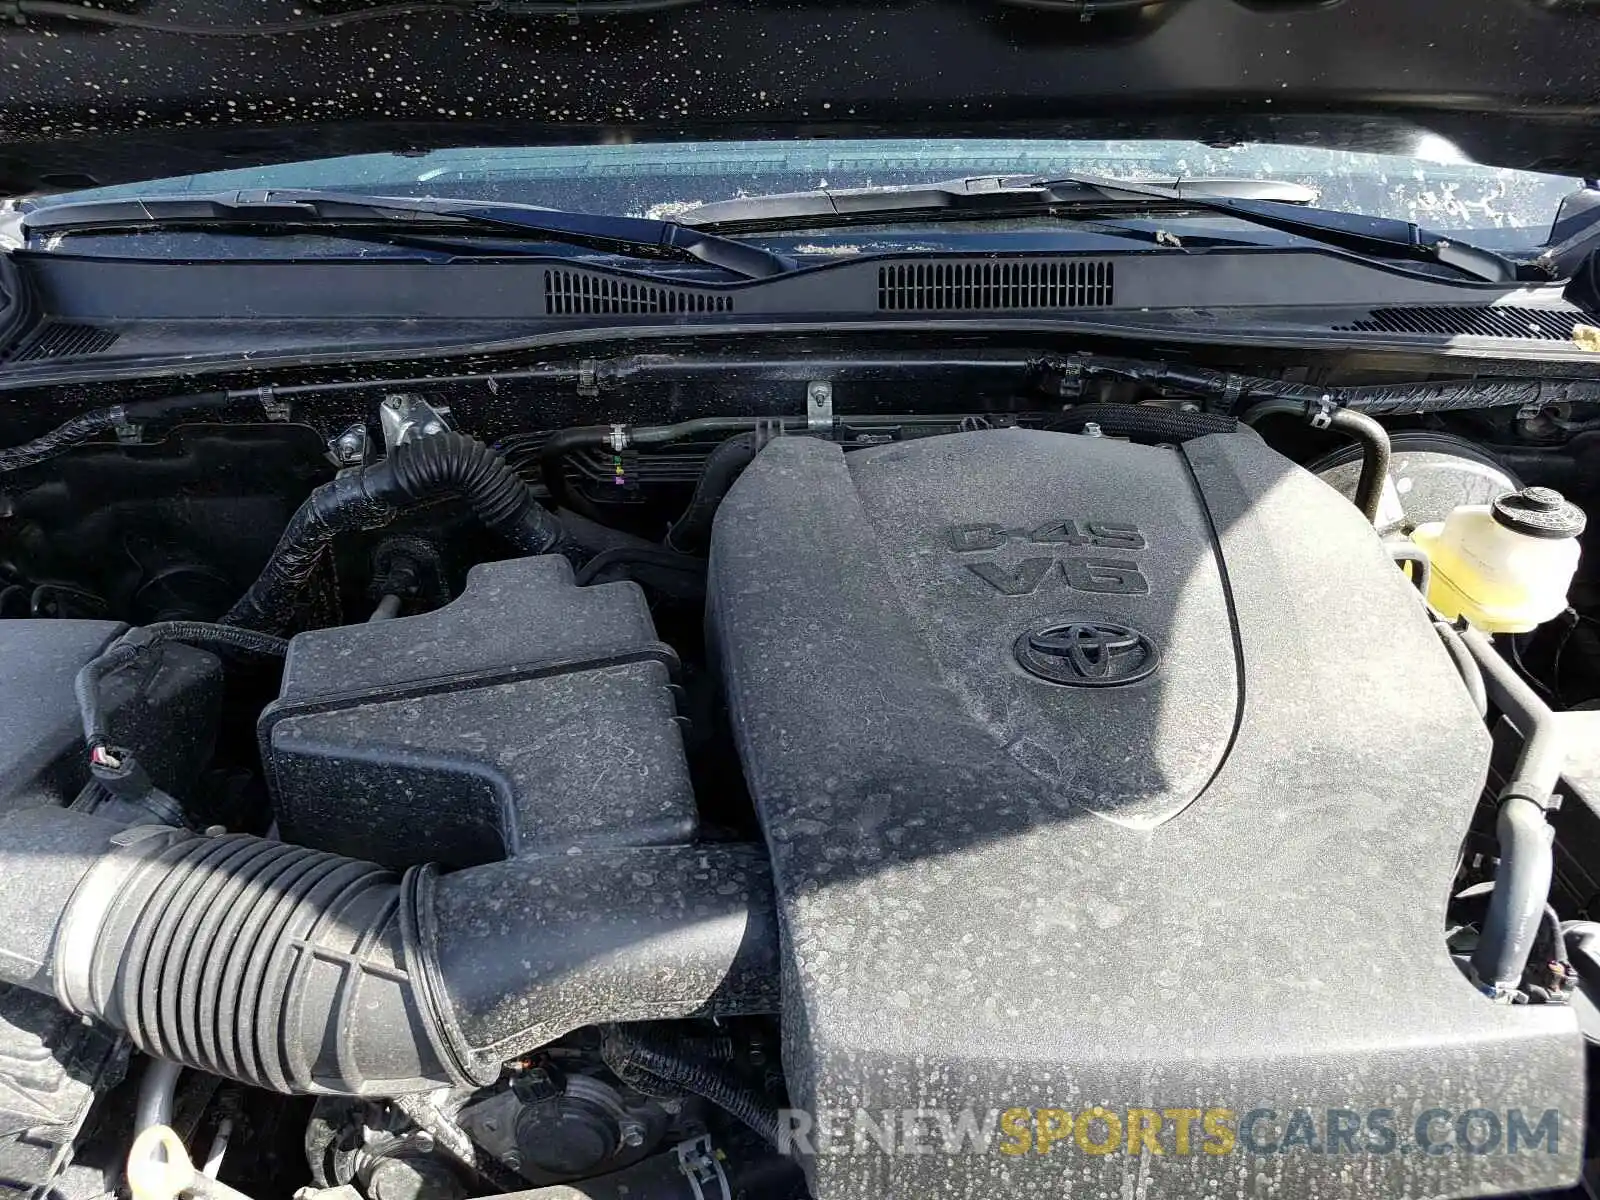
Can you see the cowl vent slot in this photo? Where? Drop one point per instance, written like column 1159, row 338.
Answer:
column 1502, row 321
column 64, row 339
column 578, row 293
column 991, row 284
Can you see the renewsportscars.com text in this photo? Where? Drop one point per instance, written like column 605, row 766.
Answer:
column 1177, row 1131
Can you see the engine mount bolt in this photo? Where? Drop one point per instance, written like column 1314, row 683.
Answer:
column 350, row 447
column 632, row 1136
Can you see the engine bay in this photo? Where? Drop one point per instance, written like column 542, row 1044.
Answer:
column 896, row 775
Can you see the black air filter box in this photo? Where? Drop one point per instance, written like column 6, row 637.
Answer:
column 529, row 715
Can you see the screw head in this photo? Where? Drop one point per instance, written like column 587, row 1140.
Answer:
column 632, row 1136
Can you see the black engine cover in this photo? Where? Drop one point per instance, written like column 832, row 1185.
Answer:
column 1106, row 775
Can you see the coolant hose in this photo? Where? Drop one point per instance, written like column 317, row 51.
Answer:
column 1373, row 438
column 1525, row 835
column 1521, row 890
column 691, row 533
column 428, row 467
column 300, row 971
column 1471, row 673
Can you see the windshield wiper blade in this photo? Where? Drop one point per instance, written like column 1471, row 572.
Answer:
column 982, row 195
column 1281, row 206
column 345, row 214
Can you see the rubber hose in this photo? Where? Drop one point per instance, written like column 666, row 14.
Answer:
column 1376, row 454
column 1372, row 437
column 1422, row 565
column 1141, row 421
column 300, row 971
column 1524, row 834
column 441, row 464
column 631, row 1052
column 1471, row 674
column 644, row 556
column 1537, row 771
column 157, row 1090
column 1521, row 891
column 1558, row 941
column 691, row 533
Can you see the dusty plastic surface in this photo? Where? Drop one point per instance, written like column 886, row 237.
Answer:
column 1501, row 580
column 528, row 716
column 165, row 706
column 1222, row 887
column 38, row 715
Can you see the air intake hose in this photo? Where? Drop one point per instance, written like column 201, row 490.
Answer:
column 441, row 464
column 305, row 972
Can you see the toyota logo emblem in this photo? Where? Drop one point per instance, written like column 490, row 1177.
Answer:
column 1087, row 652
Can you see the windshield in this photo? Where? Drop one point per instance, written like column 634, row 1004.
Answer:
column 1434, row 187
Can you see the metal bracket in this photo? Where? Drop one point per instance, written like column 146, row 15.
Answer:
column 272, row 408
column 701, row 1167
column 589, row 378
column 349, row 449
column 127, row 432
column 405, row 417
column 819, row 405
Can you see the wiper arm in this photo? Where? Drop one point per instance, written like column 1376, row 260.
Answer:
column 1281, row 206
column 345, row 214
column 1383, row 236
